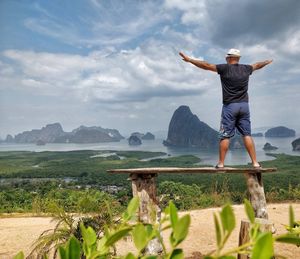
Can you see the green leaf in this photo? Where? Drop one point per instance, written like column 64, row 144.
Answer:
column 149, row 230
column 173, row 214
column 181, row 229
column 177, row 254
column 130, row 256
column 167, row 210
column 74, row 248
column 19, row 255
column 88, row 234
column 172, row 240
column 227, row 257
column 289, row 239
column 263, row 248
column 249, row 211
column 291, row 216
column 218, row 230
column 112, row 239
column 62, row 252
column 150, row 257
column 227, row 218
column 101, row 245
column 131, row 209
column 140, row 236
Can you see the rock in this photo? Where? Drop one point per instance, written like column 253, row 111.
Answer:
column 47, row 134
column 268, row 146
column 137, row 134
column 112, row 133
column 53, row 133
column 296, row 144
column 148, row 136
column 186, row 130
column 40, row 143
column 236, row 142
column 134, row 141
column 9, row 139
column 257, row 134
column 280, row 132
column 90, row 135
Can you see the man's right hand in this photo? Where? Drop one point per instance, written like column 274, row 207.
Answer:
column 184, row 57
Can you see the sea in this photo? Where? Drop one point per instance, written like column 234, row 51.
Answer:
column 208, row 157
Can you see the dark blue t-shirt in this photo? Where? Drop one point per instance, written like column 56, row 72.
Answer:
column 234, row 79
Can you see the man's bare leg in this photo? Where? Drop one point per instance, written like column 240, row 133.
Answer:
column 223, row 147
column 249, row 145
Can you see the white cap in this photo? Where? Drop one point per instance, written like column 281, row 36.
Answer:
column 233, row 53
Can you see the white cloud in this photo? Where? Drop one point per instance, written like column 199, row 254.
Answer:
column 151, row 70
column 193, row 11
column 107, row 23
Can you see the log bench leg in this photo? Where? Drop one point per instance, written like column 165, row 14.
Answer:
column 257, row 194
column 265, row 226
column 144, row 187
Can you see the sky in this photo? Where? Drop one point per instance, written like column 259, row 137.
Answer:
column 115, row 63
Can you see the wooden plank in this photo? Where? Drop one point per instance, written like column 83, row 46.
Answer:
column 192, row 170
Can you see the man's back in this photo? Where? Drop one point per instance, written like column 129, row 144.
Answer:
column 234, row 79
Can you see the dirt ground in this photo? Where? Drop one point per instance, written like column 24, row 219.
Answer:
column 18, row 233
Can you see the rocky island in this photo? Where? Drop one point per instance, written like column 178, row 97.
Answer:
column 186, row 130
column 134, row 140
column 280, row 132
column 53, row 133
column 296, row 144
column 269, row 147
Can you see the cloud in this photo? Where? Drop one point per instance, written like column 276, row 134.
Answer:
column 193, row 11
column 103, row 22
column 135, row 75
column 125, row 69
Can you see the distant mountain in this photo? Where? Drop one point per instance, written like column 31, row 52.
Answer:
column 186, row 130
column 53, row 133
column 134, row 140
column 47, row 134
column 148, row 136
column 279, row 132
column 296, row 144
column 259, row 134
column 9, row 139
column 268, row 147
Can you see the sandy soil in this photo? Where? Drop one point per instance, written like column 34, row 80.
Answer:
column 18, row 233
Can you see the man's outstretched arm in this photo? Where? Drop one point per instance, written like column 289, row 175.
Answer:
column 260, row 65
column 198, row 63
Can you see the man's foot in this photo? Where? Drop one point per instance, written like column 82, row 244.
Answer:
column 256, row 166
column 219, row 166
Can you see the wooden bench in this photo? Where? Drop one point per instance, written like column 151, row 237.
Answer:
column 144, row 186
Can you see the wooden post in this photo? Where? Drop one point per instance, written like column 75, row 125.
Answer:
column 257, row 194
column 143, row 186
column 265, row 226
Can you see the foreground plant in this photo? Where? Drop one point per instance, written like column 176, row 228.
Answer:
column 141, row 234
column 68, row 225
column 93, row 246
column 260, row 245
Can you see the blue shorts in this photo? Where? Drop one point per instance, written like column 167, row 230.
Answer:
column 235, row 116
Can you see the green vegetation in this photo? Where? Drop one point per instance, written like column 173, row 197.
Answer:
column 78, row 181
column 101, row 243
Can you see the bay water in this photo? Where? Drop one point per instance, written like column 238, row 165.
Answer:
column 208, row 157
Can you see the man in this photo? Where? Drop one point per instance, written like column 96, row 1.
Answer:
column 235, row 111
